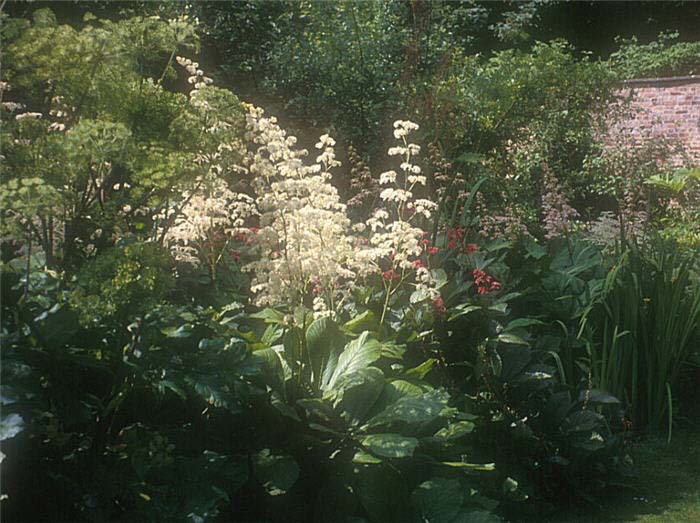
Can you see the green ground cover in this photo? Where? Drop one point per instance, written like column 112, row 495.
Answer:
column 666, row 488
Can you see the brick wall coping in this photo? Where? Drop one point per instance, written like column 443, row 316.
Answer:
column 662, row 82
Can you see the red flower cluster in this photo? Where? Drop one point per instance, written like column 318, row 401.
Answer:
column 391, row 274
column 242, row 237
column 235, row 254
column 418, row 264
column 484, row 282
column 425, row 243
column 439, row 305
column 455, row 237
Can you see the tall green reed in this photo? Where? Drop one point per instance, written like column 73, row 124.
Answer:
column 638, row 332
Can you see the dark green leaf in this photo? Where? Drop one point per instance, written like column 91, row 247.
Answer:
column 276, row 473
column 438, row 500
column 390, row 445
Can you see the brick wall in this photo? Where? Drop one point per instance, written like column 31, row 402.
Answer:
column 662, row 109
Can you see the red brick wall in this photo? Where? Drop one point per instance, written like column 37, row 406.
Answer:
column 664, row 109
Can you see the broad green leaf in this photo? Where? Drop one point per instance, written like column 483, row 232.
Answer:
column 440, row 277
column 393, row 351
column 272, row 334
column 453, row 431
column 421, row 370
column 317, row 408
column 501, row 307
column 438, row 500
column 476, row 516
column 364, row 322
column 269, row 315
column 10, row 426
column 272, row 368
column 521, row 323
column 534, row 249
column 582, row 421
column 514, row 360
column 354, row 394
column 598, row 396
column 283, row 408
column 412, row 410
column 183, row 331
column 463, row 311
column 590, row 442
column 358, row 354
column 318, row 332
column 277, row 474
column 164, row 385
column 365, row 458
column 513, row 339
column 211, row 344
column 483, row 467
column 382, row 492
column 390, row 445
column 396, row 389
column 419, row 295
column 322, row 337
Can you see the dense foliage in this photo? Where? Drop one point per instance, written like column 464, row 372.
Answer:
column 202, row 321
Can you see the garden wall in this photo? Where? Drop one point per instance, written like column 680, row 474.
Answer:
column 662, row 109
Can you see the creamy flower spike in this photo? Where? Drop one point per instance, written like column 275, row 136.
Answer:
column 400, row 240
column 212, row 210
column 305, row 242
column 307, row 250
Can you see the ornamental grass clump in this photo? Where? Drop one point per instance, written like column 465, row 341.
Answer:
column 639, row 334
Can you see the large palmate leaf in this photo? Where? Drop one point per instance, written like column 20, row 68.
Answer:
column 357, row 354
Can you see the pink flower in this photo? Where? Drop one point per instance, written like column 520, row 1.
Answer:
column 391, row 274
column 484, row 282
column 439, row 305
